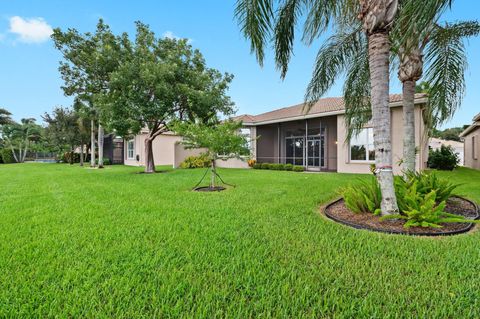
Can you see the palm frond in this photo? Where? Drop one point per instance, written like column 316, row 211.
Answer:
column 333, row 59
column 447, row 62
column 356, row 91
column 284, row 32
column 256, row 18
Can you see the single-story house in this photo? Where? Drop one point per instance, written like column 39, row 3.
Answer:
column 471, row 138
column 315, row 140
column 436, row 143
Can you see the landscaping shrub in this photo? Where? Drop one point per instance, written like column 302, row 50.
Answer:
column 444, row 158
column 426, row 182
column 251, row 162
column 265, row 166
column 199, row 161
column 421, row 199
column 364, row 197
column 257, row 166
column 298, row 168
column 423, row 210
column 277, row 167
column 288, row 167
column 7, row 156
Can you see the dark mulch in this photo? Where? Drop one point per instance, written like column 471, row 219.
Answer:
column 455, row 205
column 156, row 172
column 209, row 189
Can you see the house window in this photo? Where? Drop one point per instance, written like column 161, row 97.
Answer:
column 130, row 149
column 474, row 148
column 246, row 132
column 361, row 146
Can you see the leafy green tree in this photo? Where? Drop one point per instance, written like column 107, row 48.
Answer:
column 63, row 130
column 162, row 81
column 19, row 137
column 89, row 59
column 220, row 141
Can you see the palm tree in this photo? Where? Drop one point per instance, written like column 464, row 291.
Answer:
column 346, row 52
column 263, row 21
column 446, row 61
column 5, row 116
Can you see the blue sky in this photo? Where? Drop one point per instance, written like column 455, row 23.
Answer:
column 30, row 82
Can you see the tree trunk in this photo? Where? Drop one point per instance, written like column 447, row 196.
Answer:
column 100, row 146
column 378, row 51
column 409, row 155
column 81, row 154
column 72, row 156
column 212, row 177
column 92, row 142
column 149, row 161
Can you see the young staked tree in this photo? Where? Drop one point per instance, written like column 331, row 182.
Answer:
column 62, row 129
column 89, row 59
column 20, row 136
column 162, row 81
column 221, row 141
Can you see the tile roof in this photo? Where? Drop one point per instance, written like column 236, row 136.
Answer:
column 325, row 105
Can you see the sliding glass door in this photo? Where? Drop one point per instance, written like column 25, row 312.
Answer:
column 294, row 150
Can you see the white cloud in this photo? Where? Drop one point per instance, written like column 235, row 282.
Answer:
column 34, row 30
column 171, row 35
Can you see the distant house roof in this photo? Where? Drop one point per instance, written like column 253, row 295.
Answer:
column 475, row 124
column 325, row 106
column 437, row 143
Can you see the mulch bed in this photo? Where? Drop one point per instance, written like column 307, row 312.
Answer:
column 209, row 189
column 338, row 212
column 156, row 172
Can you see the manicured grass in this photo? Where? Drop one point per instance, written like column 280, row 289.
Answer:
column 86, row 243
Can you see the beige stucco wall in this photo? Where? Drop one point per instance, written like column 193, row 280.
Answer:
column 345, row 166
column 469, row 159
column 163, row 149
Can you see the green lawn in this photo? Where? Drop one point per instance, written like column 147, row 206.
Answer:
column 78, row 242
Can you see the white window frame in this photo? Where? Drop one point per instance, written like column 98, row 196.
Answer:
column 367, row 160
column 131, row 149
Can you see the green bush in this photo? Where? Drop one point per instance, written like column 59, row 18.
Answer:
column 425, row 182
column 423, row 211
column 289, row 167
column 364, row 197
column 7, row 156
column 421, row 199
column 298, row 168
column 265, row 165
column 277, row 167
column 444, row 158
column 199, row 161
column 257, row 166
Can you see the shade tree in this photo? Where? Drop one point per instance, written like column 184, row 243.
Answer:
column 162, row 81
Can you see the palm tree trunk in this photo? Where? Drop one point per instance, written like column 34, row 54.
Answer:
column 92, row 142
column 81, row 153
column 100, row 145
column 409, row 126
column 378, row 51
column 149, row 161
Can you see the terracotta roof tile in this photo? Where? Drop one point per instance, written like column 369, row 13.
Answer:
column 325, row 105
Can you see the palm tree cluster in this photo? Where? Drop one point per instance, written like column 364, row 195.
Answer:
column 372, row 38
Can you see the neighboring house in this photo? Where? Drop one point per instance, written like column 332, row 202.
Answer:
column 167, row 150
column 317, row 140
column 471, row 138
column 436, row 143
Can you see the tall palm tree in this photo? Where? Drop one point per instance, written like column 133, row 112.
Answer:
column 5, row 116
column 263, row 21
